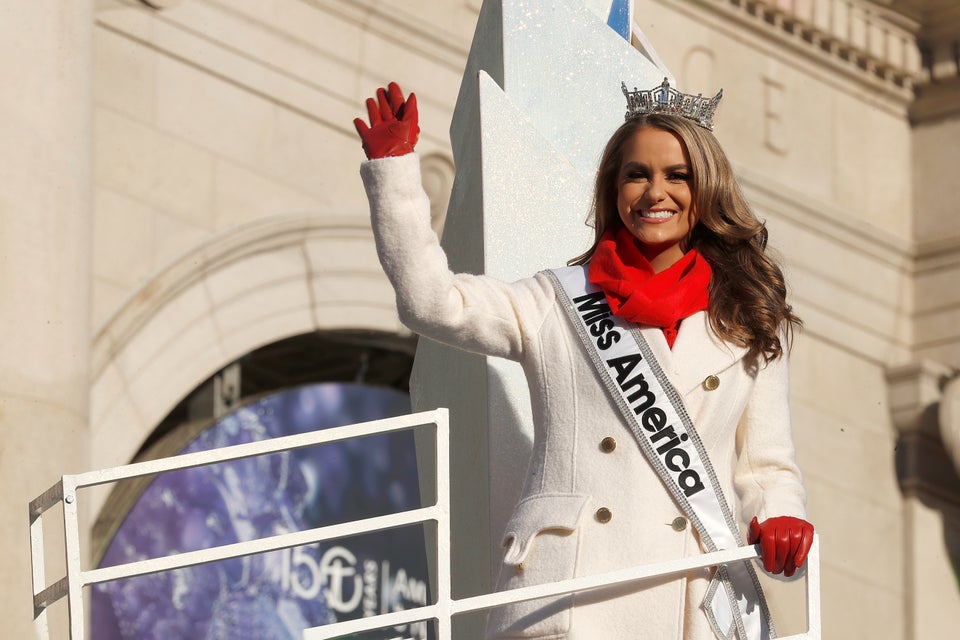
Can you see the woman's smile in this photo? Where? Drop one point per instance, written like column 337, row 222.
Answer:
column 657, row 215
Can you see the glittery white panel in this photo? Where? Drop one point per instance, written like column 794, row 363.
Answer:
column 562, row 64
column 563, row 67
column 535, row 202
column 527, row 136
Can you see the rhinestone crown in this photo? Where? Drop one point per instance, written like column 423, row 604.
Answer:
column 666, row 99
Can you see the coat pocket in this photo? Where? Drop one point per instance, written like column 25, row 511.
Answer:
column 541, row 544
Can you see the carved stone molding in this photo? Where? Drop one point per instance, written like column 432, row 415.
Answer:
column 925, row 467
column 938, row 39
column 949, row 415
column 936, row 101
column 857, row 36
column 161, row 4
column 437, row 173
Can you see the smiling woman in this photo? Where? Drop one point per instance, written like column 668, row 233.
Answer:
column 669, row 336
column 653, row 195
column 657, row 163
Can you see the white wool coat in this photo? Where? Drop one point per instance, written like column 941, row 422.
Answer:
column 555, row 531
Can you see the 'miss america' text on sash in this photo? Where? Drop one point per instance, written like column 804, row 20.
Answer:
column 595, row 313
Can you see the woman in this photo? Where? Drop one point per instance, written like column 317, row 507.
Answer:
column 678, row 266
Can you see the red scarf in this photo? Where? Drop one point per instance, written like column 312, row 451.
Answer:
column 635, row 293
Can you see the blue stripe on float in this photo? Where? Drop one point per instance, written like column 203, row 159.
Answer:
column 619, row 19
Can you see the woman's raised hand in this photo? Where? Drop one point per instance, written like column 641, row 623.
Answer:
column 394, row 126
column 784, row 542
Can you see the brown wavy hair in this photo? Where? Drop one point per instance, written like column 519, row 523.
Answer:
column 748, row 303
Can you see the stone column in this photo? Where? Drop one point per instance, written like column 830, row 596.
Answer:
column 928, row 456
column 45, row 207
column 931, row 492
column 935, row 119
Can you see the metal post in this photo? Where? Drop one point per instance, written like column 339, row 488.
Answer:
column 814, row 628
column 71, row 531
column 444, row 595
column 38, row 567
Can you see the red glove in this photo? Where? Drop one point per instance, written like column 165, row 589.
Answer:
column 393, row 129
column 784, row 542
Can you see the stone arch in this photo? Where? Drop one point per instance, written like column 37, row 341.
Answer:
column 699, row 69
column 250, row 286
column 438, row 174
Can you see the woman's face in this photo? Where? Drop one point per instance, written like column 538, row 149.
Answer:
column 654, row 198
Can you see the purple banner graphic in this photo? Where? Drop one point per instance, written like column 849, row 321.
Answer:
column 274, row 596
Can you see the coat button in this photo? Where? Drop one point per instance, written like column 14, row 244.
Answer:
column 711, row 382
column 603, row 515
column 679, row 523
column 608, row 444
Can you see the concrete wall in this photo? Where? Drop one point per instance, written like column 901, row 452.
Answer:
column 45, row 216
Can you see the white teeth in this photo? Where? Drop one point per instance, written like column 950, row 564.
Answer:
column 655, row 214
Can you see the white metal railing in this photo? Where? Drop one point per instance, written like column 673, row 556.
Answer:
column 441, row 611
column 66, row 492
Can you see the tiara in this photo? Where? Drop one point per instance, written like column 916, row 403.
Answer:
column 666, row 99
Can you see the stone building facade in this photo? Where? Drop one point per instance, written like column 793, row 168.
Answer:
column 181, row 190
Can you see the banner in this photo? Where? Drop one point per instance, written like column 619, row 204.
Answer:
column 274, row 596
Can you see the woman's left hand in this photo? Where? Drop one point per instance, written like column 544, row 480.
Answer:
column 784, row 542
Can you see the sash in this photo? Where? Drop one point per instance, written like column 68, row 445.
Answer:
column 655, row 414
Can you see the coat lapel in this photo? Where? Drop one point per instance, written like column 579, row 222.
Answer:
column 698, row 353
column 661, row 351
